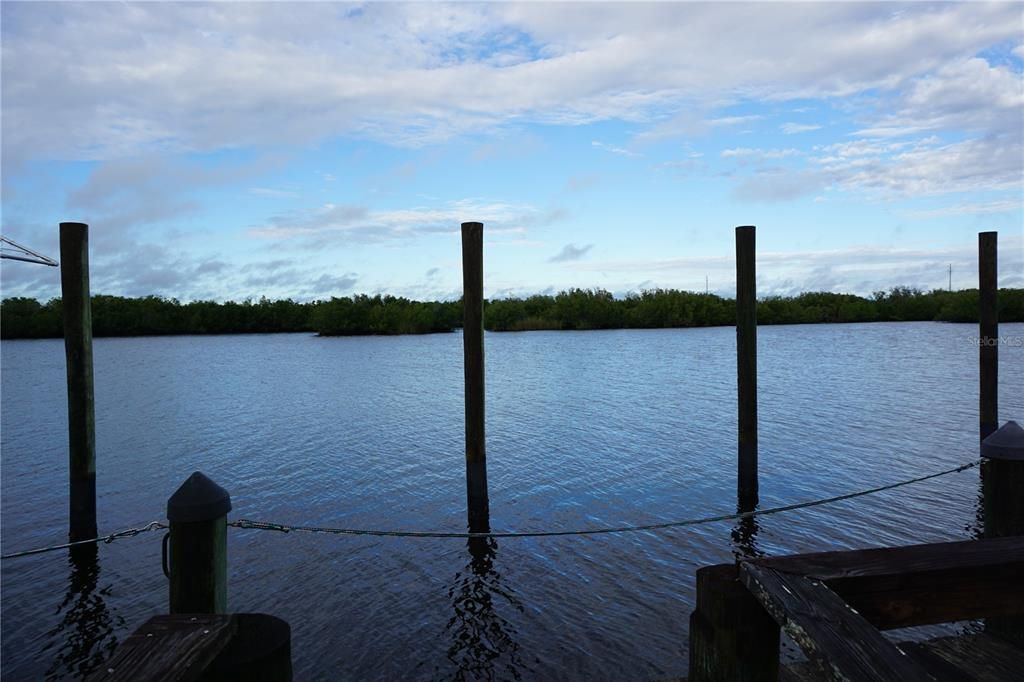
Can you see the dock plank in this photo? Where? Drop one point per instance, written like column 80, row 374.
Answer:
column 171, row 648
column 897, row 587
column 982, row 657
column 842, row 644
column 882, row 561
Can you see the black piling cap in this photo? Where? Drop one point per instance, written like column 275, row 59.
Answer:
column 1005, row 443
column 198, row 499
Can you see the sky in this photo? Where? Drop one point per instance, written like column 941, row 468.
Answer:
column 306, row 150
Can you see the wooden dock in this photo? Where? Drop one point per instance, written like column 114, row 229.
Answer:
column 835, row 605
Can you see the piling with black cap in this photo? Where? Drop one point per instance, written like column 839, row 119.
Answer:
column 1002, row 485
column 197, row 513
column 1002, row 478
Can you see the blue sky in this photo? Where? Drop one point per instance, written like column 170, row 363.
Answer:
column 233, row 150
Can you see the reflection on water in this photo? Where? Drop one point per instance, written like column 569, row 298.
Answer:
column 640, row 424
column 744, row 534
column 85, row 634
column 975, row 528
column 483, row 643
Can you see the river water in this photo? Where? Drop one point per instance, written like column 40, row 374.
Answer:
column 585, row 430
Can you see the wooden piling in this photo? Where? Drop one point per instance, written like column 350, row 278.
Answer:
column 1002, row 478
column 988, row 333
column 77, row 312
column 746, row 365
column 732, row 637
column 473, row 358
column 197, row 566
column 1002, row 485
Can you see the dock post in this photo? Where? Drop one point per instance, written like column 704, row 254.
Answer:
column 77, row 313
column 1002, row 481
column 746, row 366
column 473, row 359
column 1002, row 485
column 197, row 512
column 988, row 332
column 732, row 637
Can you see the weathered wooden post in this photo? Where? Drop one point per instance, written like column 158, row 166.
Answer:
column 746, row 365
column 77, row 311
column 988, row 332
column 473, row 358
column 732, row 637
column 1002, row 485
column 197, row 512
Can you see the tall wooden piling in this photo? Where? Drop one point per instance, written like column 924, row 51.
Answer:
column 473, row 358
column 77, row 312
column 988, row 333
column 197, row 566
column 746, row 365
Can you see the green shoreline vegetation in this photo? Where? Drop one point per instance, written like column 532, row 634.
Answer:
column 27, row 318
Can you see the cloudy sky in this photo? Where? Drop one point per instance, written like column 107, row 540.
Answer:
column 235, row 150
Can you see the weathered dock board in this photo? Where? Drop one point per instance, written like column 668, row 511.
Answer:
column 895, row 587
column 835, row 605
column 830, row 632
column 169, row 648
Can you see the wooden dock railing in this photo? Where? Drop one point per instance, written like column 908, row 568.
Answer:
column 835, row 604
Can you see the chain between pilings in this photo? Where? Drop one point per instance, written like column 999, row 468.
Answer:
column 288, row 528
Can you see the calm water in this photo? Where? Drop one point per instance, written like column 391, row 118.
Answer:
column 585, row 430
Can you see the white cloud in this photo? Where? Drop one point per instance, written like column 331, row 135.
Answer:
column 858, row 269
column 967, row 94
column 983, row 165
column 794, row 128
column 273, row 193
column 622, row 151
column 330, row 222
column 98, row 80
column 978, row 208
column 734, row 120
column 759, row 153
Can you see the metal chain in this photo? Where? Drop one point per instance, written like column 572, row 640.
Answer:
column 286, row 528
column 106, row 539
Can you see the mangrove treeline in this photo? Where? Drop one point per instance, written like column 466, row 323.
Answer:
column 573, row 309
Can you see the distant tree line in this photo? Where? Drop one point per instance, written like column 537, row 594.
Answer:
column 598, row 309
column 22, row 318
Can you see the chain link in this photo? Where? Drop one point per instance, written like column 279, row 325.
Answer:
column 287, row 528
column 106, row 539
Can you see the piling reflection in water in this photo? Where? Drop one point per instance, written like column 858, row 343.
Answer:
column 975, row 528
column 483, row 643
column 85, row 636
column 744, row 534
